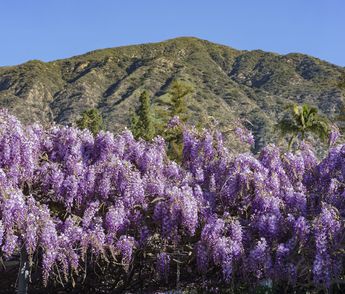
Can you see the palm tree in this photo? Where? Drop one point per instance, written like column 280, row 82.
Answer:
column 303, row 120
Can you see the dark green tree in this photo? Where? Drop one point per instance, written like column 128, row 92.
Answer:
column 142, row 125
column 299, row 121
column 91, row 119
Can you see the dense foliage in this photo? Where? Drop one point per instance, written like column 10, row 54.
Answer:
column 148, row 122
column 302, row 120
column 91, row 119
column 75, row 201
column 142, row 124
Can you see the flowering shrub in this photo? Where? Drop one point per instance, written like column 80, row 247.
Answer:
column 72, row 199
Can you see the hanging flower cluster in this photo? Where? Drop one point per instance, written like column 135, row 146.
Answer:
column 66, row 195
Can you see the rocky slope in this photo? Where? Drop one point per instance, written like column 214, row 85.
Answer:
column 228, row 84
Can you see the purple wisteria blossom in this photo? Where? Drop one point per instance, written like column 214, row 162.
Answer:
column 74, row 201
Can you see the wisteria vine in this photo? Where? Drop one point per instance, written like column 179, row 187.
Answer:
column 67, row 196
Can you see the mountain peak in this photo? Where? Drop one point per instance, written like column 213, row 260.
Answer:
column 228, row 83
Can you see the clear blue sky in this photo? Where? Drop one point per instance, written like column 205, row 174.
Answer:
column 54, row 29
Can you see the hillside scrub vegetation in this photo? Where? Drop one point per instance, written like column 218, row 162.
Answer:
column 228, row 85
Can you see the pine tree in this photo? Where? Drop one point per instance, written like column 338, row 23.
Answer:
column 91, row 119
column 179, row 91
column 341, row 116
column 142, row 121
column 178, row 107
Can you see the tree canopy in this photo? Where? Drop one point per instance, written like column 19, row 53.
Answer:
column 92, row 120
column 300, row 120
column 142, row 125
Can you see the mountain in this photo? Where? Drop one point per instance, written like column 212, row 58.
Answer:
column 229, row 84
